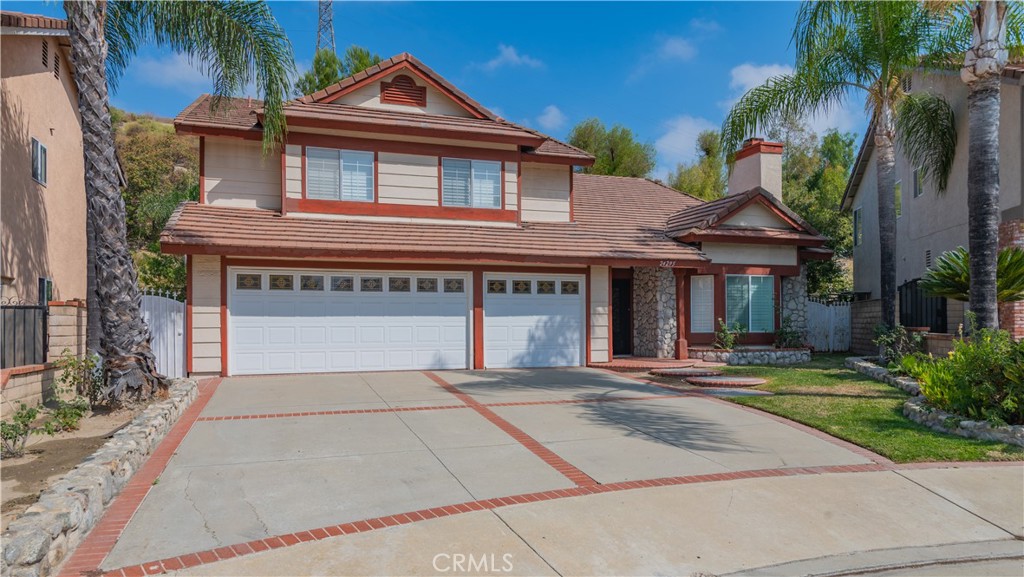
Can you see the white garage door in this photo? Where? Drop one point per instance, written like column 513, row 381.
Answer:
column 290, row 321
column 533, row 321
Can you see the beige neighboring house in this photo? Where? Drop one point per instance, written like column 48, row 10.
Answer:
column 930, row 223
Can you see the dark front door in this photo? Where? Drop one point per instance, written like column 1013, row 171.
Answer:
column 622, row 316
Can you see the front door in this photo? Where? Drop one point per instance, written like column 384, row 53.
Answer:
column 622, row 316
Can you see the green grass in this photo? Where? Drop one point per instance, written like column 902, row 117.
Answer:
column 827, row 396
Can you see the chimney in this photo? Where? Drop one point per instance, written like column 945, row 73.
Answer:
column 758, row 163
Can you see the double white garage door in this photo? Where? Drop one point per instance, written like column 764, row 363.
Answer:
column 299, row 321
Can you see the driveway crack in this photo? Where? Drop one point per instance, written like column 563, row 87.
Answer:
column 206, row 523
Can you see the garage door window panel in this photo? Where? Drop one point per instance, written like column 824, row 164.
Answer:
column 495, row 287
column 426, row 285
column 342, row 284
column 311, row 283
column 399, row 284
column 249, row 282
column 454, row 285
column 570, row 287
column 372, row 284
column 282, row 282
column 546, row 287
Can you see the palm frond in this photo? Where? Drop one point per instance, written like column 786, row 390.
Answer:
column 234, row 42
column 926, row 134
column 950, row 276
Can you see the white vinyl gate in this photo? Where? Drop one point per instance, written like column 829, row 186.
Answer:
column 165, row 317
column 828, row 326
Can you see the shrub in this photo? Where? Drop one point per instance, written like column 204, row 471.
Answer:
column 727, row 335
column 981, row 378
column 787, row 337
column 81, row 376
column 14, row 433
column 897, row 342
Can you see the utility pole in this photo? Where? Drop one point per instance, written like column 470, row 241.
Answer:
column 325, row 27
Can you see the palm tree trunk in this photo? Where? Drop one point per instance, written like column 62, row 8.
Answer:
column 129, row 364
column 886, row 175
column 982, row 71
column 93, row 328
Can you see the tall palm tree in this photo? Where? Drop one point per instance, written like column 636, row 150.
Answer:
column 847, row 48
column 987, row 33
column 235, row 43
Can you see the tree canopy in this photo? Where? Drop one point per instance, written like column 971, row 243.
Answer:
column 705, row 177
column 328, row 68
column 617, row 151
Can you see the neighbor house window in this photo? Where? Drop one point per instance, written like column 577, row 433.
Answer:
column 470, row 183
column 750, row 302
column 339, row 174
column 918, row 183
column 38, row 161
column 858, row 227
column 898, row 198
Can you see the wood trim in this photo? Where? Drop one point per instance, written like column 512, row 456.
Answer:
column 440, row 181
column 352, row 207
column 589, row 311
column 744, row 239
column 223, row 317
column 478, row 319
column 554, row 159
column 571, row 181
column 314, row 121
column 777, row 270
column 425, row 267
column 376, row 176
column 688, row 300
column 682, row 348
column 502, row 185
column 719, row 302
column 202, row 130
column 814, row 255
column 202, row 170
column 611, row 344
column 398, row 147
column 188, row 315
column 303, row 176
column 284, row 178
column 519, row 189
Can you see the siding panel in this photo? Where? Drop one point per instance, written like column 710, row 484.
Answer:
column 205, row 325
column 238, row 174
column 407, row 179
column 545, row 193
column 599, row 307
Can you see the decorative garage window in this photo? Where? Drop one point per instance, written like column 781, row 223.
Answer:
column 426, row 285
column 247, row 282
column 750, row 302
column 371, row 284
column 308, row 282
column 339, row 174
column 496, row 287
column 399, row 284
column 454, row 285
column 522, row 287
column 470, row 183
column 281, row 282
column 702, row 304
column 546, row 287
column 570, row 287
column 345, row 284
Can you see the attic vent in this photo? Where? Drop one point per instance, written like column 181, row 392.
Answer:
column 928, row 258
column 907, row 84
column 46, row 53
column 56, row 66
column 403, row 90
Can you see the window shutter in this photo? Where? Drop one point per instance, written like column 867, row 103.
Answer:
column 702, row 304
column 486, row 184
column 323, row 174
column 356, row 175
column 456, row 179
column 737, row 300
column 762, row 304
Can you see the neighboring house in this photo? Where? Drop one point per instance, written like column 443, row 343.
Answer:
column 43, row 176
column 929, row 222
column 405, row 226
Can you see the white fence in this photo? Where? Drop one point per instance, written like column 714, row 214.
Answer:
column 828, row 326
column 165, row 316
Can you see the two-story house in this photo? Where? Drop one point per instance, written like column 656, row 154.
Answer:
column 402, row 225
column 929, row 222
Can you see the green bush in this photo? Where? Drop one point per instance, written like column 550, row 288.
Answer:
column 897, row 342
column 981, row 378
column 77, row 386
column 14, row 433
column 727, row 335
column 787, row 337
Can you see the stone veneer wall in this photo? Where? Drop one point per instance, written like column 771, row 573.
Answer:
column 1011, row 315
column 753, row 356
column 654, row 312
column 794, row 300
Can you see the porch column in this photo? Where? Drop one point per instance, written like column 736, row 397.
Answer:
column 682, row 348
column 719, row 299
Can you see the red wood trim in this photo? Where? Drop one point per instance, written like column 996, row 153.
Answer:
column 315, row 121
column 200, row 130
column 202, row 170
column 223, row 317
column 743, row 239
column 398, row 147
column 571, row 179
column 687, row 300
column 440, row 182
column 363, row 265
column 586, row 305
column 566, row 160
column 782, row 270
column 719, row 301
column 350, row 207
column 403, row 90
column 502, row 185
column 284, row 179
column 376, row 176
column 188, row 315
column 478, row 319
column 808, row 255
column 682, row 348
column 304, row 171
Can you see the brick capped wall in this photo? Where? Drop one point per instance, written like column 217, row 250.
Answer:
column 864, row 317
column 1011, row 315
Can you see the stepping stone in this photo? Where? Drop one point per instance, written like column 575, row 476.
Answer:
column 686, row 372
column 736, row 393
column 726, row 381
column 706, row 364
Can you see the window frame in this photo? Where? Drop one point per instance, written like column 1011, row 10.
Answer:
column 897, row 198
column 750, row 308
column 918, row 183
column 858, row 226
column 500, row 205
column 372, row 198
column 40, row 161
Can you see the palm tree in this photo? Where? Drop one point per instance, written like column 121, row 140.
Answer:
column 950, row 277
column 866, row 48
column 986, row 32
column 235, row 43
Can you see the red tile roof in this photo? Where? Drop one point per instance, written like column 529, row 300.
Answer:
column 226, row 112
column 617, row 218
column 21, row 20
column 704, row 217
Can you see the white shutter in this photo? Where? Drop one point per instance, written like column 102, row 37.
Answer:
column 456, row 178
column 702, row 304
column 762, row 304
column 486, row 184
column 356, row 175
column 323, row 174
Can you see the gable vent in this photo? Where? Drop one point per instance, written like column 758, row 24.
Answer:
column 56, row 66
column 928, row 258
column 403, row 90
column 46, row 53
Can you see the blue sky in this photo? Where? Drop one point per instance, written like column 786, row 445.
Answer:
column 665, row 70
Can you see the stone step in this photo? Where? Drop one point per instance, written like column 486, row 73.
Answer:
column 686, row 372
column 725, row 381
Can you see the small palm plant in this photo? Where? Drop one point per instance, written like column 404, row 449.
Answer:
column 951, row 276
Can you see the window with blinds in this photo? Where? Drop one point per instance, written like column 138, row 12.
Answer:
column 470, row 183
column 333, row 174
column 702, row 304
column 750, row 302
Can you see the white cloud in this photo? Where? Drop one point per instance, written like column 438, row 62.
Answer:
column 172, row 71
column 705, row 25
column 678, row 143
column 667, row 49
column 509, row 56
column 552, row 118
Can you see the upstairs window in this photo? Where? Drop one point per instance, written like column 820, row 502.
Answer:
column 898, row 200
column 858, row 227
column 38, row 161
column 918, row 183
column 470, row 183
column 750, row 302
column 333, row 174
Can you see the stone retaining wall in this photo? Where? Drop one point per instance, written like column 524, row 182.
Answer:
column 866, row 366
column 36, row 543
column 753, row 356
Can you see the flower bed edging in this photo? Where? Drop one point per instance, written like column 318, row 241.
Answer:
column 752, row 356
column 918, row 410
column 39, row 540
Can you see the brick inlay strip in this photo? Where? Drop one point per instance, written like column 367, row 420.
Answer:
column 570, row 472
column 101, row 540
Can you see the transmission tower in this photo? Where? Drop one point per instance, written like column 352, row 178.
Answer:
column 325, row 27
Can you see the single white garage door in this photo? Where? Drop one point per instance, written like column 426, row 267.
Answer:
column 533, row 320
column 291, row 321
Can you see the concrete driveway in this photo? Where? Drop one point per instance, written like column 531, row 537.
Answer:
column 557, row 471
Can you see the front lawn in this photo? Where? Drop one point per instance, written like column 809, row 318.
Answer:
column 827, row 396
